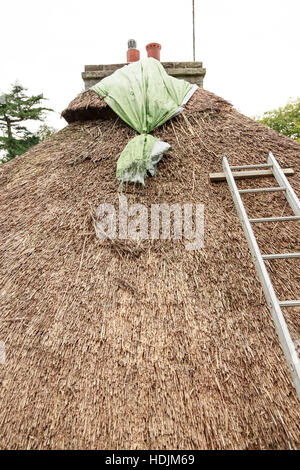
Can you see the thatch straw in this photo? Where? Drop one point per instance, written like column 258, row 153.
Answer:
column 87, row 105
column 143, row 345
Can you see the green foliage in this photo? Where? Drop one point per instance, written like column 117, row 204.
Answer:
column 45, row 131
column 16, row 108
column 15, row 147
column 285, row 120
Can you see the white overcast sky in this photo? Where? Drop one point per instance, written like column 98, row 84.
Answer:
column 250, row 48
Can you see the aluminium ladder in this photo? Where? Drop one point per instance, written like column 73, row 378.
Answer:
column 273, row 303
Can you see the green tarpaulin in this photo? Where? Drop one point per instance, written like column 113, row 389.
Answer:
column 140, row 155
column 145, row 97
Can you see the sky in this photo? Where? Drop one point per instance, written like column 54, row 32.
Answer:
column 250, row 48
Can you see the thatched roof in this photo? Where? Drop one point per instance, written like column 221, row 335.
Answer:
column 143, row 345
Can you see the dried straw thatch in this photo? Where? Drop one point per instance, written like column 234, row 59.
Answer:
column 143, row 345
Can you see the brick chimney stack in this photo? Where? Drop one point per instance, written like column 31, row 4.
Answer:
column 192, row 72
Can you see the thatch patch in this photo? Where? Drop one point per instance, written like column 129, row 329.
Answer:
column 87, row 105
column 143, row 345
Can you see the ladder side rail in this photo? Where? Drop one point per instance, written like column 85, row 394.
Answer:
column 271, row 298
column 283, row 181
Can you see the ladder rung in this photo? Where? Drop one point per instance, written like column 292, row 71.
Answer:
column 258, row 165
column 275, row 219
column 289, row 303
column 250, row 174
column 281, row 255
column 261, row 190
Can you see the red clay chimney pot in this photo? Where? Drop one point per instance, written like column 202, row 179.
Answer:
column 153, row 50
column 133, row 55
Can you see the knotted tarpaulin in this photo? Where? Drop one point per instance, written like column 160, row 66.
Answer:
column 145, row 97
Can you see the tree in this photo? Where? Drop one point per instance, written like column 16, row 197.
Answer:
column 285, row 120
column 44, row 132
column 16, row 108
